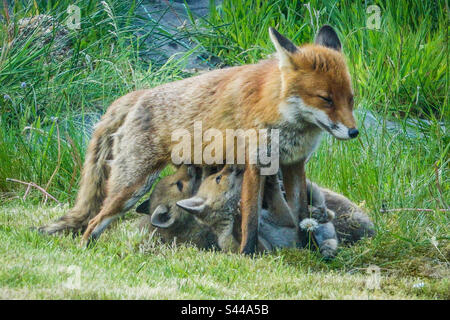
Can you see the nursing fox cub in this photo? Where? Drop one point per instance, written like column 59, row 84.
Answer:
column 210, row 217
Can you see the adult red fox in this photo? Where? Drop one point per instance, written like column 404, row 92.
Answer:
column 302, row 92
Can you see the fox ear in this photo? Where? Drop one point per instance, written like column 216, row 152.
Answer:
column 162, row 218
column 144, row 207
column 194, row 205
column 285, row 48
column 327, row 37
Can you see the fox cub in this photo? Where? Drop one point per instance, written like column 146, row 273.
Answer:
column 220, row 196
column 217, row 204
column 168, row 220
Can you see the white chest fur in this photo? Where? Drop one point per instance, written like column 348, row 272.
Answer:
column 299, row 137
column 298, row 143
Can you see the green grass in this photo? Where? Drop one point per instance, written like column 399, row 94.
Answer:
column 44, row 129
column 127, row 264
column 410, row 247
column 68, row 94
column 402, row 66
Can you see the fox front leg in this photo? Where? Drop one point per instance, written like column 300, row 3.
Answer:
column 294, row 181
column 326, row 238
column 251, row 203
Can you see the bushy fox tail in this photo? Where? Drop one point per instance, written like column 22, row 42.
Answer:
column 94, row 175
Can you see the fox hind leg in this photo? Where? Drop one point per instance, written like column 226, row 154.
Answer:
column 132, row 174
column 127, row 206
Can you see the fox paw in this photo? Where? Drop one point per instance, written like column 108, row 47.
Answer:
column 328, row 249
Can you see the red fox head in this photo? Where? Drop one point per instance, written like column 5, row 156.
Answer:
column 316, row 85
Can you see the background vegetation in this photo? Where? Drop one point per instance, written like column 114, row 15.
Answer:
column 48, row 106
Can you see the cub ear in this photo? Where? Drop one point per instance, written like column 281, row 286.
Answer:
column 327, row 37
column 144, row 207
column 285, row 48
column 195, row 205
column 162, row 218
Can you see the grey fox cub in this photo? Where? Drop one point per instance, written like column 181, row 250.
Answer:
column 276, row 227
column 217, row 203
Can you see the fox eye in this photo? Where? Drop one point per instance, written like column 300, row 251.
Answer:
column 326, row 99
column 218, row 178
column 180, row 185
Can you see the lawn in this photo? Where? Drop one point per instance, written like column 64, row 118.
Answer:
column 397, row 169
column 126, row 264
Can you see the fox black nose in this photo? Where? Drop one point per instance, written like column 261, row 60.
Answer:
column 353, row 132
